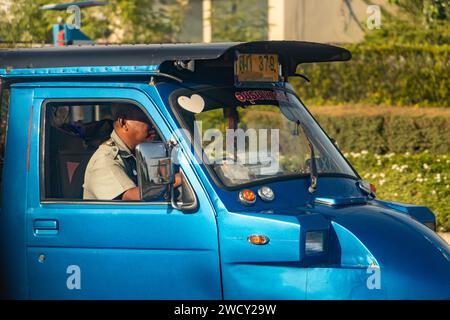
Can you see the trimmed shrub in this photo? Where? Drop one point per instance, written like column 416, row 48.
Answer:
column 381, row 75
column 422, row 179
column 384, row 133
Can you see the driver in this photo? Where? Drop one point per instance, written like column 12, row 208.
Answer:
column 111, row 172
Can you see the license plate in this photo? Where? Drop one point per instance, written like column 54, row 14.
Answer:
column 256, row 68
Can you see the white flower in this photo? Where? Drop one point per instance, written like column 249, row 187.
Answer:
column 399, row 168
column 426, row 166
column 378, row 162
column 364, row 152
column 381, row 182
column 390, row 155
column 433, row 192
column 382, row 175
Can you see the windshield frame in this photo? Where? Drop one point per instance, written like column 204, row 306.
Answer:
column 262, row 181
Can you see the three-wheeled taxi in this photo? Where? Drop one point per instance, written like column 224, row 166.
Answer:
column 268, row 207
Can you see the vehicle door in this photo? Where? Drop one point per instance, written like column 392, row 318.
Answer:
column 78, row 249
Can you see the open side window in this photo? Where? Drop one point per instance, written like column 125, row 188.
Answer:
column 72, row 132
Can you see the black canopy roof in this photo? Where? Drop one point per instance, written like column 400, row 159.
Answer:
column 291, row 52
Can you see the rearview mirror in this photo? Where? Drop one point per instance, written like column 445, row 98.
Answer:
column 154, row 167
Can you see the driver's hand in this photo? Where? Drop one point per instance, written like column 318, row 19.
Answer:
column 178, row 180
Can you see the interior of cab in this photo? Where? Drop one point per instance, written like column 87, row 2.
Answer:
column 73, row 132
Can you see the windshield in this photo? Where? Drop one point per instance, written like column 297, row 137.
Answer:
column 247, row 135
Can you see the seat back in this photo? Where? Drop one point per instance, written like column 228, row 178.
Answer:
column 69, row 156
column 72, row 166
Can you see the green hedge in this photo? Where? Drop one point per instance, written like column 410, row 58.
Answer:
column 384, row 133
column 422, row 179
column 388, row 75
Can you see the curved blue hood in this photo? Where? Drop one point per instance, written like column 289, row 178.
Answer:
column 413, row 261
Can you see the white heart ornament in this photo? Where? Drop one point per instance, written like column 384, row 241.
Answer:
column 193, row 104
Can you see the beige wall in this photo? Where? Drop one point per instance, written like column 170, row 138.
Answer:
column 193, row 24
column 311, row 20
column 318, row 20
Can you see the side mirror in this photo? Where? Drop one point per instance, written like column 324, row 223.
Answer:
column 154, row 167
column 156, row 177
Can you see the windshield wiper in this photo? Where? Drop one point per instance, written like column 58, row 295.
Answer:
column 312, row 162
column 313, row 168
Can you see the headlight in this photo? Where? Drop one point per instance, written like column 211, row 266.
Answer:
column 315, row 242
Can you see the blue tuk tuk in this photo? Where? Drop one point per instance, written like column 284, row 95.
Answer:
column 268, row 207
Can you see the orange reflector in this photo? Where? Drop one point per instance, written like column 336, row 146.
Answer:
column 247, row 196
column 373, row 188
column 258, row 239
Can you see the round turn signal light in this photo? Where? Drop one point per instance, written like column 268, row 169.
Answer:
column 247, row 197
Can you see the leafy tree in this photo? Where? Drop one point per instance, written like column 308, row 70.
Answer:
column 236, row 20
column 28, row 23
column 429, row 12
column 415, row 21
column 142, row 21
column 126, row 21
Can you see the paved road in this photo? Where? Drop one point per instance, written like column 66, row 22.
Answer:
column 445, row 236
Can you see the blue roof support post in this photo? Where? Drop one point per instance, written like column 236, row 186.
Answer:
column 55, row 30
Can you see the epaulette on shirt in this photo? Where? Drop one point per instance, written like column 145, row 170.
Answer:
column 114, row 149
column 109, row 143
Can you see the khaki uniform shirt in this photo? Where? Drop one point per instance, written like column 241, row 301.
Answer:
column 111, row 171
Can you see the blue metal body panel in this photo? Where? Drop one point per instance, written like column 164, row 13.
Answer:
column 12, row 219
column 420, row 213
column 79, row 71
column 135, row 250
column 139, row 251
